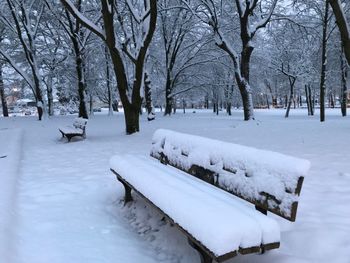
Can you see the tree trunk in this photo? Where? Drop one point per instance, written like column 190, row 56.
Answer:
column 267, row 101
column 243, row 83
column 294, row 102
column 148, row 98
column 291, row 96
column 168, row 99
column 108, row 83
column 308, row 101
column 91, row 104
column 206, row 101
column 344, row 94
column 311, row 101
column 324, row 64
column 343, row 26
column 81, row 87
column 228, row 108
column 331, row 100
column 132, row 116
column 247, row 99
column 49, row 96
column 184, row 105
column 5, row 111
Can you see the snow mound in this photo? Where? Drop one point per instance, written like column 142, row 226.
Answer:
column 220, row 221
column 257, row 175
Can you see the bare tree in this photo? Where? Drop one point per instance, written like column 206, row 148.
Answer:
column 26, row 17
column 128, row 34
column 253, row 16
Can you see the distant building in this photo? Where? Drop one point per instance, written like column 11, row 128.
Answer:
column 26, row 103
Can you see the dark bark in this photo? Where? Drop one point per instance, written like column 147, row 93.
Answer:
column 308, row 101
column 40, row 113
column 132, row 115
column 285, row 101
column 5, row 111
column 148, row 98
column 323, row 65
column 228, row 108
column 311, row 101
column 344, row 94
column 343, row 26
column 49, row 97
column 108, row 84
column 206, row 101
column 168, row 98
column 331, row 100
column 184, row 105
column 291, row 94
column 247, row 99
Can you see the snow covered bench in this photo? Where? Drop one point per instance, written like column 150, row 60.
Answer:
column 77, row 129
column 218, row 224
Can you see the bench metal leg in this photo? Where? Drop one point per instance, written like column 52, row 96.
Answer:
column 128, row 197
column 205, row 258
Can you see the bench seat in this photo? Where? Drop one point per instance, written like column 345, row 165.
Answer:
column 219, row 221
column 77, row 129
column 71, row 130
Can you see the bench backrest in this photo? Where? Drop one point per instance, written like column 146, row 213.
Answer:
column 270, row 180
column 80, row 123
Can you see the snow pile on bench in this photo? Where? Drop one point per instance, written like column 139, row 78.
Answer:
column 255, row 175
column 217, row 219
column 78, row 127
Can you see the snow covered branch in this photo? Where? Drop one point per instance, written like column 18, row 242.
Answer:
column 84, row 20
column 16, row 67
column 263, row 22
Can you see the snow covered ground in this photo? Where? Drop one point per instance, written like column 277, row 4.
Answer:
column 65, row 206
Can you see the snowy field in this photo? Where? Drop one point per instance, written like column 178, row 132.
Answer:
column 59, row 203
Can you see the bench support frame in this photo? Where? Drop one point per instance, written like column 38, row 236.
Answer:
column 128, row 197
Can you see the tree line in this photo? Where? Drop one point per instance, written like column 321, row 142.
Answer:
column 252, row 53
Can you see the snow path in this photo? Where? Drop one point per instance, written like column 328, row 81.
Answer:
column 10, row 156
column 67, row 204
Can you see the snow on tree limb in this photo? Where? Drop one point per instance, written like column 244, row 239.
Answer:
column 84, row 20
column 263, row 22
column 15, row 66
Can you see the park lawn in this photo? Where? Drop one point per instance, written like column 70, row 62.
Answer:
column 65, row 206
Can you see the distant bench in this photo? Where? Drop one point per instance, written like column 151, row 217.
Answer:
column 77, row 129
column 218, row 224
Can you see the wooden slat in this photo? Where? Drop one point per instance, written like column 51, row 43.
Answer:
column 211, row 177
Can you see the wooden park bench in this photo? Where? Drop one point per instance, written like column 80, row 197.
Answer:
column 77, row 129
column 196, row 186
